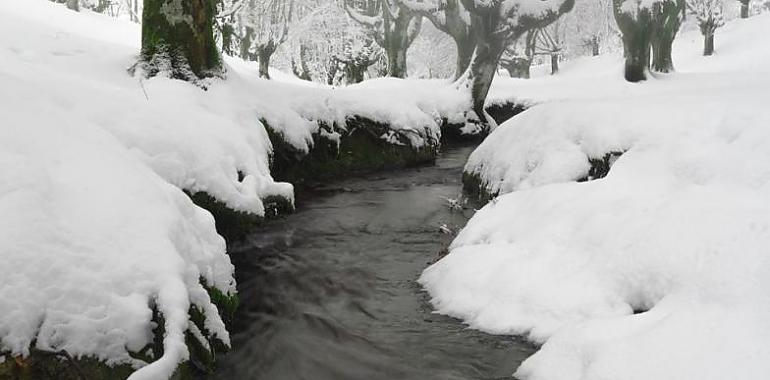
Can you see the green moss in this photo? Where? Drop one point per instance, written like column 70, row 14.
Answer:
column 361, row 150
column 42, row 365
column 452, row 133
column 235, row 225
column 475, row 188
column 179, row 36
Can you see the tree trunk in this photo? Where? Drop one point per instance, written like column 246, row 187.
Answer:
column 666, row 23
column 465, row 50
column 396, row 60
column 265, row 53
column 554, row 64
column 744, row 8
column 637, row 36
column 300, row 69
column 355, row 73
column 481, row 73
column 708, row 44
column 661, row 56
column 595, row 46
column 178, row 37
column 245, row 46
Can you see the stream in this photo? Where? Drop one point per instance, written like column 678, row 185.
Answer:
column 330, row 291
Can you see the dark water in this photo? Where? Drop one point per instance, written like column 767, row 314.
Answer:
column 330, row 292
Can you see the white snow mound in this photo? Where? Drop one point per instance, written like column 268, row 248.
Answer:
column 678, row 231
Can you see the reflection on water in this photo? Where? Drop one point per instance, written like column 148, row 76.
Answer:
column 330, row 292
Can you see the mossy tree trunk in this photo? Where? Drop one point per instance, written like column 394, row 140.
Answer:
column 637, row 36
column 666, row 18
column 178, row 38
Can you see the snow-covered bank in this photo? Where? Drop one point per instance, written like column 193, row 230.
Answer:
column 97, row 232
column 678, row 231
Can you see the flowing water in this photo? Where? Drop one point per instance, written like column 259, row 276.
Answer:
column 330, row 292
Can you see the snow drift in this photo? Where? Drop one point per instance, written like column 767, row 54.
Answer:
column 95, row 230
column 660, row 270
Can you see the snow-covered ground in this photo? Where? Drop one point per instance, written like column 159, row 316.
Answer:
column 95, row 230
column 661, row 269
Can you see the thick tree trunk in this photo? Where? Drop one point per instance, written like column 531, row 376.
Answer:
column 554, row 64
column 396, row 40
column 396, row 60
column 355, row 73
column 465, row 48
column 744, row 8
column 300, row 69
column 661, row 53
column 666, row 23
column 708, row 44
column 178, row 36
column 637, row 36
column 481, row 73
column 264, row 54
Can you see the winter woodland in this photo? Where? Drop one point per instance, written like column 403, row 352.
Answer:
column 380, row 189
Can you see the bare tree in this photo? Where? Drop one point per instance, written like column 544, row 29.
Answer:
column 549, row 42
column 450, row 17
column 647, row 26
column 260, row 26
column 518, row 56
column 710, row 17
column 392, row 25
column 495, row 24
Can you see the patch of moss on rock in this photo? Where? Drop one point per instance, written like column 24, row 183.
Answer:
column 453, row 133
column 234, row 225
column 475, row 188
column 360, row 149
column 44, row 365
column 504, row 111
column 600, row 167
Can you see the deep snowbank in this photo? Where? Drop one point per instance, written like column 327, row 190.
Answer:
column 96, row 233
column 679, row 229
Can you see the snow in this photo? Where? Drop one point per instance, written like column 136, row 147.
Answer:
column 660, row 270
column 95, row 229
column 412, row 107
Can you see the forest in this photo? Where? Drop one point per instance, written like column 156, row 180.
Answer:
column 384, row 189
